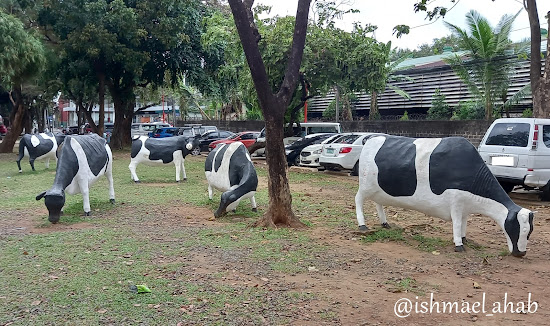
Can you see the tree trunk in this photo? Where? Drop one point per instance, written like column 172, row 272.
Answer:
column 123, row 123
column 101, row 95
column 17, row 118
column 537, row 85
column 373, row 112
column 279, row 212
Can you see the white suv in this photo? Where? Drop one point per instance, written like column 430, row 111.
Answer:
column 517, row 151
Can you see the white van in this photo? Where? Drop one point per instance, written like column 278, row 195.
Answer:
column 143, row 129
column 517, row 151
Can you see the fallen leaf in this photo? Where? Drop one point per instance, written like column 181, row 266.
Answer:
column 435, row 252
column 36, row 303
column 477, row 286
column 102, row 311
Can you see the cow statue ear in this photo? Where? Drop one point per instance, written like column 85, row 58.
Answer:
column 41, row 195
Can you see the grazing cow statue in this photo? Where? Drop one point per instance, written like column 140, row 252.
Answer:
column 228, row 168
column 153, row 151
column 42, row 146
column 82, row 161
column 443, row 177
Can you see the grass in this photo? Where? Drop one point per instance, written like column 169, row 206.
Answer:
column 83, row 276
column 384, row 235
column 430, row 244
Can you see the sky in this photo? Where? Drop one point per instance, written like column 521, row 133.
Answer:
column 388, row 13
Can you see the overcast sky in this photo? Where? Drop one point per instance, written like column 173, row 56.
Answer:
column 388, row 13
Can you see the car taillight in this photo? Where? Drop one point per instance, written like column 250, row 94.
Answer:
column 345, row 150
column 156, row 135
column 535, row 137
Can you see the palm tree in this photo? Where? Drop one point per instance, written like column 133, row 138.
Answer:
column 487, row 70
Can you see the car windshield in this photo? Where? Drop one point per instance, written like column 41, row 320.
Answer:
column 188, row 132
column 234, row 136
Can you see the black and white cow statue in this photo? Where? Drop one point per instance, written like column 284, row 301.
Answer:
column 82, row 161
column 42, row 146
column 228, row 168
column 154, row 151
column 442, row 177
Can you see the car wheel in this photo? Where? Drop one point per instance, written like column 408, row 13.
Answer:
column 196, row 151
column 297, row 160
column 355, row 171
column 545, row 194
column 507, row 186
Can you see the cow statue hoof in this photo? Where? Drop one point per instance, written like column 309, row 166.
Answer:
column 460, row 249
column 363, row 228
column 254, row 209
column 464, row 241
column 112, row 200
column 234, row 211
column 386, row 225
column 137, row 181
column 87, row 213
column 184, row 179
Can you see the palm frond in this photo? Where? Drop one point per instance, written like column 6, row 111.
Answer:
column 399, row 91
column 522, row 93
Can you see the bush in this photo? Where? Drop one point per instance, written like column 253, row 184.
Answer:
column 405, row 116
column 469, row 110
column 527, row 113
column 440, row 110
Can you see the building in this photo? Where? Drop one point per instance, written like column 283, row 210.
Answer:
column 429, row 73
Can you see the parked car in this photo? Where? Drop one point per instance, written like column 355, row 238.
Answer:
column 143, row 129
column 199, row 129
column 517, row 151
column 164, row 132
column 246, row 137
column 260, row 139
column 3, row 130
column 344, row 152
column 72, row 130
column 108, row 127
column 293, row 150
column 210, row 136
column 308, row 128
column 310, row 155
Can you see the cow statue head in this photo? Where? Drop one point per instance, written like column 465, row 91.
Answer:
column 518, row 227
column 54, row 202
column 229, row 201
column 192, row 143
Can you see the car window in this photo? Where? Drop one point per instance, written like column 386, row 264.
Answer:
column 347, row 139
column 509, row 134
column 546, row 135
column 135, row 127
column 225, row 134
column 247, row 136
column 212, row 135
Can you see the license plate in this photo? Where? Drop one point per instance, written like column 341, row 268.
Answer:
column 502, row 160
column 330, row 150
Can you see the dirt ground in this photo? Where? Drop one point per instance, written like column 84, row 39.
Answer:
column 358, row 283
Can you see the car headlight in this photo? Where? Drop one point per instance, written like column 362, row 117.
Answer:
column 319, row 151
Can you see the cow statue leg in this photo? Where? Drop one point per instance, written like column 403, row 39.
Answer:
column 31, row 161
column 183, row 170
column 382, row 216
column 359, row 200
column 109, row 175
column 253, row 202
column 463, row 229
column 210, row 192
column 132, row 167
column 457, row 219
column 85, row 191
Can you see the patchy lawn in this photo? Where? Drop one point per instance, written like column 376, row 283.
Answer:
column 203, row 271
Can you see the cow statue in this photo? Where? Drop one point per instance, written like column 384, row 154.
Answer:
column 154, row 151
column 443, row 177
column 42, row 146
column 82, row 161
column 229, row 169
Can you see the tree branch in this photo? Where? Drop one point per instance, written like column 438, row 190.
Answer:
column 296, row 52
